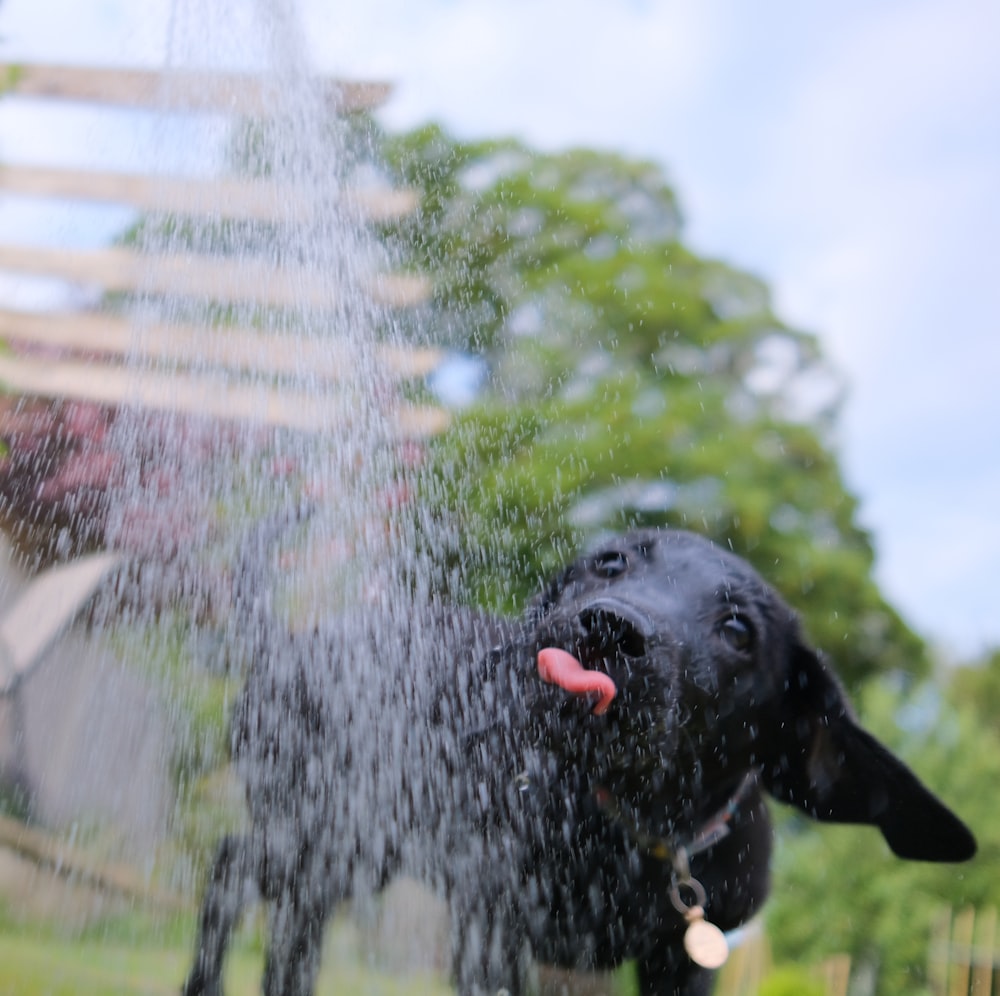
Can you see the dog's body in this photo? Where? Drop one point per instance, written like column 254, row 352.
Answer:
column 558, row 833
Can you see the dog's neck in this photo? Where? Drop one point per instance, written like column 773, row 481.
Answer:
column 677, row 848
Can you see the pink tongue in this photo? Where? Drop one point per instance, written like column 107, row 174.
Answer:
column 557, row 667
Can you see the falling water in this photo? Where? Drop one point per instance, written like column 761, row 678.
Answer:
column 307, row 161
column 198, row 489
column 190, row 492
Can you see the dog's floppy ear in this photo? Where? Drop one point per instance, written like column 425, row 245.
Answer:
column 820, row 760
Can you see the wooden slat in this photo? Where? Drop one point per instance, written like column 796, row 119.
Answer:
column 217, row 197
column 960, row 967
column 384, row 205
column 43, row 610
column 204, row 346
column 194, row 395
column 836, row 973
column 939, row 952
column 227, row 281
column 235, row 93
column 984, row 951
column 54, row 853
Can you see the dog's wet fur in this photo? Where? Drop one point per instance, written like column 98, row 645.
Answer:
column 554, row 832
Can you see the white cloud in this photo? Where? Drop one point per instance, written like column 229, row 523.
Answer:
column 945, row 559
column 552, row 72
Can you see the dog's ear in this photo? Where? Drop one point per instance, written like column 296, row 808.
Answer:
column 820, row 760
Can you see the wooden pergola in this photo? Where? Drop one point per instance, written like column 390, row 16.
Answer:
column 94, row 355
column 105, row 339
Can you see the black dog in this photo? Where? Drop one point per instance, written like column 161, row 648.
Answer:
column 590, row 791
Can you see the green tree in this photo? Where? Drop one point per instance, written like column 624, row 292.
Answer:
column 632, row 382
column 977, row 686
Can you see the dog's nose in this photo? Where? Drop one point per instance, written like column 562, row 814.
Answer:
column 617, row 625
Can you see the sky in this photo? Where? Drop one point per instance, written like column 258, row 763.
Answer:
column 848, row 154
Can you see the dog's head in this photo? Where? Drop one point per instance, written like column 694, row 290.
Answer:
column 668, row 666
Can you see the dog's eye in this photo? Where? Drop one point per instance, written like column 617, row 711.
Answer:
column 736, row 633
column 610, row 564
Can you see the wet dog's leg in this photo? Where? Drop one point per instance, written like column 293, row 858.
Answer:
column 231, row 885
column 293, row 958
column 489, row 953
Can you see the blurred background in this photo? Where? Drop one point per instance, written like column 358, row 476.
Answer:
column 698, row 264
column 847, row 157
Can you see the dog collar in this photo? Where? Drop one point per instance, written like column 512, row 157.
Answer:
column 705, row 943
column 714, row 829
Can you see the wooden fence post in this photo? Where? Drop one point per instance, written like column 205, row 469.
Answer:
column 984, row 953
column 836, row 974
column 960, row 954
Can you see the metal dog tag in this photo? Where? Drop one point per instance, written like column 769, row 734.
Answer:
column 705, row 944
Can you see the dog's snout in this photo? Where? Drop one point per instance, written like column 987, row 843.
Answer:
column 610, row 629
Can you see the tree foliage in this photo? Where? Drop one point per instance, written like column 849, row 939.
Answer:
column 632, row 382
column 977, row 686
column 635, row 382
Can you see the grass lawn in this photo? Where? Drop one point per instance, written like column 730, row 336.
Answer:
column 48, row 966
